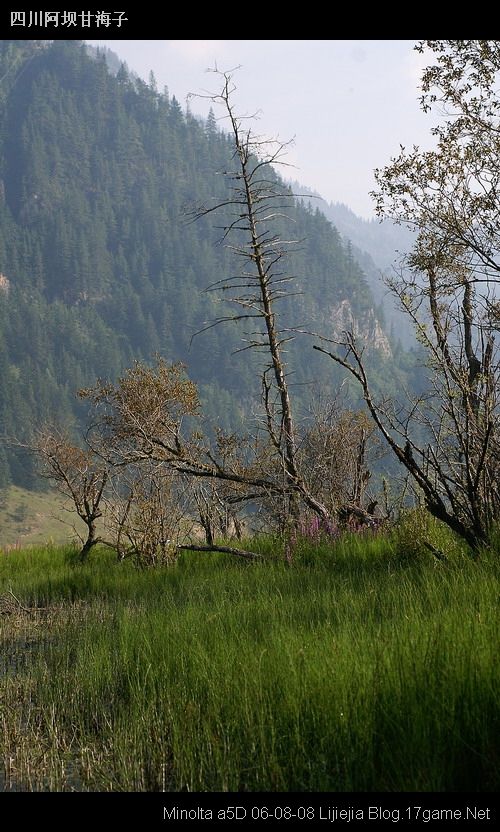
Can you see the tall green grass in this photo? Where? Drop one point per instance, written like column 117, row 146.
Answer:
column 354, row 669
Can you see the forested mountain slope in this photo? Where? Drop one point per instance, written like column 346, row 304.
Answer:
column 99, row 264
column 378, row 247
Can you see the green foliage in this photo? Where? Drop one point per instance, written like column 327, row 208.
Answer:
column 353, row 670
column 417, row 529
column 447, row 285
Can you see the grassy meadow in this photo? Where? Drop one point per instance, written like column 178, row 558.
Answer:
column 362, row 666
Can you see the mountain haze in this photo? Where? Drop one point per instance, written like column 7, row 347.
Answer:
column 377, row 247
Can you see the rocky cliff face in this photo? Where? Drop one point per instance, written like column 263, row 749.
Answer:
column 366, row 329
column 4, row 284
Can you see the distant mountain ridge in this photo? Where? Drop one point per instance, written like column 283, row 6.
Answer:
column 382, row 240
column 377, row 246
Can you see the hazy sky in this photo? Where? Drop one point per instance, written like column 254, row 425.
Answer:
column 348, row 104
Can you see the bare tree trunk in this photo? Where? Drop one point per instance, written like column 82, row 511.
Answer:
column 91, row 541
column 254, row 197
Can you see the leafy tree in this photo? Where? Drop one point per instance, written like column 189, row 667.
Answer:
column 448, row 438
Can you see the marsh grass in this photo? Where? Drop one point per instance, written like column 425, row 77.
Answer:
column 356, row 668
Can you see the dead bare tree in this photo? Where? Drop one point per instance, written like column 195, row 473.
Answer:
column 448, row 439
column 256, row 203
